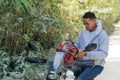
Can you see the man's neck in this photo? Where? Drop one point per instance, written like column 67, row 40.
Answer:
column 94, row 28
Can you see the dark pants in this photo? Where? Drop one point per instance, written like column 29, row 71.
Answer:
column 87, row 73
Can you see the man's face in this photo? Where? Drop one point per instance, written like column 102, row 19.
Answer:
column 90, row 24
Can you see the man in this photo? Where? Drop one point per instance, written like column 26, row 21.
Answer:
column 92, row 33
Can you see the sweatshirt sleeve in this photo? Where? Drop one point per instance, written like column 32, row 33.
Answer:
column 102, row 50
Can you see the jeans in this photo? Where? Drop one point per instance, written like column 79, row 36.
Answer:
column 88, row 73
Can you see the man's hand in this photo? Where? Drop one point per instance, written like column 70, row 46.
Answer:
column 80, row 54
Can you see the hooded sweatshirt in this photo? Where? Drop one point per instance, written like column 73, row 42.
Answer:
column 100, row 37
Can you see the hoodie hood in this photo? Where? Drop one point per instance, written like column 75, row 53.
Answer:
column 88, row 36
column 99, row 27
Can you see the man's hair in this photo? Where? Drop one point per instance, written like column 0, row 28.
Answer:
column 90, row 15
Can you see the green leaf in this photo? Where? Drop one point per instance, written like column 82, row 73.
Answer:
column 26, row 5
column 18, row 3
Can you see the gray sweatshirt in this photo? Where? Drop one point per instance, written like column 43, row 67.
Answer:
column 85, row 37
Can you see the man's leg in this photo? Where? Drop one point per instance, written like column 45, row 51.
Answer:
column 90, row 73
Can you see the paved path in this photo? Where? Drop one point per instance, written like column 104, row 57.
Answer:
column 112, row 66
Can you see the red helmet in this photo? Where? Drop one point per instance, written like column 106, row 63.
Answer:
column 67, row 47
